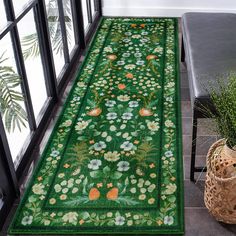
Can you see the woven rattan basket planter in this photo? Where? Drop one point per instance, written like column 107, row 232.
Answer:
column 220, row 186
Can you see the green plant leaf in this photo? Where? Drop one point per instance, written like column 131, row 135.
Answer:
column 95, row 174
column 116, row 175
column 106, row 170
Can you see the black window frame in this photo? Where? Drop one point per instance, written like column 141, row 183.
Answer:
column 54, row 85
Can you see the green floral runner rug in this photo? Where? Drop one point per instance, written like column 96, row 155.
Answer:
column 113, row 164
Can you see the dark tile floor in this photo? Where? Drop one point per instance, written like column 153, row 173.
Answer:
column 198, row 222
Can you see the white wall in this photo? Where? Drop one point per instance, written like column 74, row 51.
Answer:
column 173, row 8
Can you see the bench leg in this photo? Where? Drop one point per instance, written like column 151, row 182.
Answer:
column 194, row 142
column 182, row 51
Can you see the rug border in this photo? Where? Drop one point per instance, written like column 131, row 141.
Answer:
column 178, row 230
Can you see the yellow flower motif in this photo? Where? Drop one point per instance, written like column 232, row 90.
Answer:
column 63, row 197
column 151, row 201
column 159, row 222
column 52, row 201
column 112, row 156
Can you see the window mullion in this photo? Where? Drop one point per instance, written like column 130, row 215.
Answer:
column 63, row 31
column 46, row 50
column 79, row 23
column 89, row 10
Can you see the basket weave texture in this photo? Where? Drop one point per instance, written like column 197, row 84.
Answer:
column 220, row 185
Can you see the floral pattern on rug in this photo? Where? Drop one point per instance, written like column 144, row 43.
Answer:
column 114, row 158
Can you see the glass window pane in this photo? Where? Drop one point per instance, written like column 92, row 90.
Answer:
column 69, row 24
column 19, row 5
column 85, row 14
column 92, row 7
column 55, row 34
column 12, row 99
column 33, row 63
column 3, row 19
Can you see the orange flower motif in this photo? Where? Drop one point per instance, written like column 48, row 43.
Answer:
column 113, row 194
column 81, row 221
column 99, row 185
column 40, row 178
column 152, row 165
column 121, row 86
column 109, row 185
column 133, row 25
column 112, row 57
column 142, row 25
column 129, row 76
column 95, row 112
column 91, row 141
column 66, row 166
column 150, row 57
column 145, row 112
column 136, row 142
column 94, row 194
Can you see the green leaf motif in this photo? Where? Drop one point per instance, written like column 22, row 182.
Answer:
column 116, row 175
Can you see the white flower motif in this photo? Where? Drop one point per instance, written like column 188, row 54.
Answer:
column 140, row 63
column 120, row 63
column 126, row 54
column 70, row 217
column 133, row 104
column 127, row 146
column 127, row 116
column 128, row 33
column 168, row 220
column 57, row 188
column 119, row 220
column 158, row 49
column 94, row 164
column 130, row 66
column 81, row 84
column 54, row 153
column 170, row 188
column 169, row 123
column 123, row 98
column 137, row 54
column 126, row 40
column 67, row 123
column 99, row 145
column 168, row 154
column 27, row 220
column 153, row 126
column 108, row 49
column 111, row 116
column 81, row 125
column 110, row 103
column 38, row 189
column 112, row 156
column 143, row 40
column 123, row 166
column 170, row 84
column 144, row 33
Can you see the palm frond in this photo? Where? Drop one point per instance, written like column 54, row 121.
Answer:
column 10, row 98
column 30, row 46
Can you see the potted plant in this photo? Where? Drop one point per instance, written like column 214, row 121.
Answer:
column 220, row 185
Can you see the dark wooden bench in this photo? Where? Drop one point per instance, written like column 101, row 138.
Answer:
column 209, row 50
